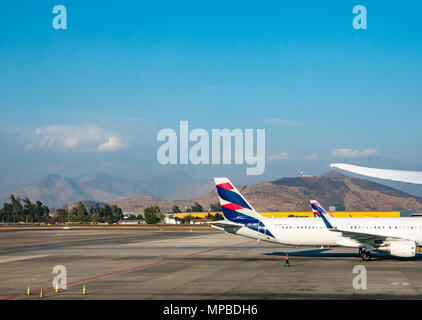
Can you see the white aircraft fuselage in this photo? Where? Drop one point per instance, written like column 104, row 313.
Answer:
column 313, row 232
column 398, row 236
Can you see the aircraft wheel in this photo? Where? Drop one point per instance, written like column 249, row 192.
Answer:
column 366, row 255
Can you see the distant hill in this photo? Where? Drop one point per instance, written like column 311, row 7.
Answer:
column 174, row 186
column 179, row 188
column 293, row 194
column 113, row 184
column 56, row 191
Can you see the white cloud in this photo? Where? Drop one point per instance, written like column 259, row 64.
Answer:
column 282, row 122
column 112, row 144
column 279, row 157
column 313, row 156
column 350, row 153
column 83, row 138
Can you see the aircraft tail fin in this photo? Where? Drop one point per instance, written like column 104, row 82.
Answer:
column 235, row 207
column 320, row 212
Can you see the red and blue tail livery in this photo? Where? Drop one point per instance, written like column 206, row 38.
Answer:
column 318, row 209
column 236, row 209
column 320, row 212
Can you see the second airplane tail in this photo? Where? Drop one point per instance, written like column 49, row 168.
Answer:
column 320, row 212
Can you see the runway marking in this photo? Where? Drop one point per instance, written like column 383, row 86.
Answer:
column 6, row 259
column 102, row 276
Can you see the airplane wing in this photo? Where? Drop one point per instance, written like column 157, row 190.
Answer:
column 395, row 175
column 366, row 238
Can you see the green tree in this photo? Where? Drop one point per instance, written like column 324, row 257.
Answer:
column 186, row 219
column 117, row 213
column 6, row 212
column 81, row 213
column 218, row 216
column 176, row 209
column 29, row 210
column 41, row 211
column 95, row 218
column 61, row 215
column 108, row 214
column 17, row 209
column 196, row 207
column 152, row 214
column 215, row 207
column 73, row 215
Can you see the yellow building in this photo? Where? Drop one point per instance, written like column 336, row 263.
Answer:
column 339, row 214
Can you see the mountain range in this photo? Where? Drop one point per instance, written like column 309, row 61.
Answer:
column 293, row 195
column 180, row 189
column 56, row 191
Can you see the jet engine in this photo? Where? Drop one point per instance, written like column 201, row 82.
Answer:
column 404, row 248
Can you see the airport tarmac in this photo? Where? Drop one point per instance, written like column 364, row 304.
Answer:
column 149, row 264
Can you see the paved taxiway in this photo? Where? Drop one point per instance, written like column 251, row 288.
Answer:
column 147, row 264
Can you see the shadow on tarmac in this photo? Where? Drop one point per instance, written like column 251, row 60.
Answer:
column 325, row 253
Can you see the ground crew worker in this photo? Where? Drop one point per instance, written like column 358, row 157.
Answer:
column 287, row 260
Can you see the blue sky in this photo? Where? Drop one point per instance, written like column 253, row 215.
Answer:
column 123, row 70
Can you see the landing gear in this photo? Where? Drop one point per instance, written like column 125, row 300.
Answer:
column 365, row 255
